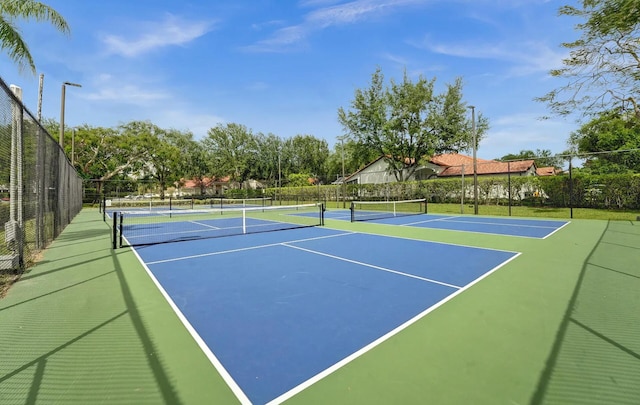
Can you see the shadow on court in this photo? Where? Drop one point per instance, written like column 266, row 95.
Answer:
column 596, row 355
column 72, row 332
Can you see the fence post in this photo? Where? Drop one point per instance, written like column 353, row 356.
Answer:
column 16, row 215
column 509, row 185
column 114, row 229
column 570, row 188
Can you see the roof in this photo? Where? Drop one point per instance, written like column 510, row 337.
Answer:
column 454, row 159
column 206, row 181
column 489, row 167
column 362, row 169
column 546, row 171
column 453, row 163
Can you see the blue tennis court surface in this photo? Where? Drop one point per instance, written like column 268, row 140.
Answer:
column 277, row 311
column 530, row 228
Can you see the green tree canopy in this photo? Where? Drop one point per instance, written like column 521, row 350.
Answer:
column 611, row 140
column 233, row 149
column 603, row 66
column 11, row 40
column 542, row 158
column 407, row 123
column 308, row 155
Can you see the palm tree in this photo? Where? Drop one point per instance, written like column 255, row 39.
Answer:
column 10, row 38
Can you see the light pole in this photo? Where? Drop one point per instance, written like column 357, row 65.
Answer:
column 279, row 177
column 64, row 85
column 73, row 146
column 344, row 197
column 475, row 161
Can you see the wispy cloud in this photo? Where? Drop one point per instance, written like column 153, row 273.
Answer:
column 512, row 133
column 523, row 58
column 317, row 3
column 171, row 31
column 327, row 16
column 106, row 88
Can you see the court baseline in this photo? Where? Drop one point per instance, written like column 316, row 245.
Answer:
column 279, row 309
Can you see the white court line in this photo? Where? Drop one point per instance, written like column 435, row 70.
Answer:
column 344, row 259
column 296, row 390
column 205, row 225
column 428, row 220
column 557, row 230
column 502, row 224
column 175, row 259
column 233, row 386
column 443, row 243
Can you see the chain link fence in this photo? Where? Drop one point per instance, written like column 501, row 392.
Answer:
column 499, row 184
column 40, row 191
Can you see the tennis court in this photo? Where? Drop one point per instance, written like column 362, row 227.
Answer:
column 348, row 313
column 277, row 311
column 413, row 213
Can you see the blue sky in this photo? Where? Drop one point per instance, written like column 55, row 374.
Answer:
column 285, row 67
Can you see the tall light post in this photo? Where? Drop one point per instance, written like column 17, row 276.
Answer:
column 344, row 190
column 475, row 161
column 279, row 176
column 64, row 85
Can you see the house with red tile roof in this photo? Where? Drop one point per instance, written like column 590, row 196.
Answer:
column 547, row 171
column 205, row 185
column 445, row 165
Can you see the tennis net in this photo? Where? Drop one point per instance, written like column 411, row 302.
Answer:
column 222, row 202
column 129, row 204
column 372, row 210
column 150, row 227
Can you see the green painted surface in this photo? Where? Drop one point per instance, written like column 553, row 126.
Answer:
column 87, row 325
column 559, row 324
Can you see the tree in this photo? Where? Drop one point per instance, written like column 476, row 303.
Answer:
column 611, row 141
column 266, row 166
column 104, row 154
column 309, row 155
column 233, row 149
column 10, row 38
column 165, row 161
column 197, row 163
column 354, row 156
column 542, row 158
column 604, row 64
column 408, row 123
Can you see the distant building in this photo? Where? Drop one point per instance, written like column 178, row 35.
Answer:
column 443, row 166
column 206, row 185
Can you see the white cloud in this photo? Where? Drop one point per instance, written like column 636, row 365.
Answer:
column 524, row 131
column 124, row 90
column 171, row 31
column 524, row 58
column 327, row 16
column 127, row 94
column 354, row 11
column 187, row 120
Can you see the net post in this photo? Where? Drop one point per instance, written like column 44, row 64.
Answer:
column 322, row 210
column 170, row 203
column 103, row 202
column 192, row 201
column 352, row 209
column 114, row 231
column 425, row 206
column 121, row 218
column 244, row 221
